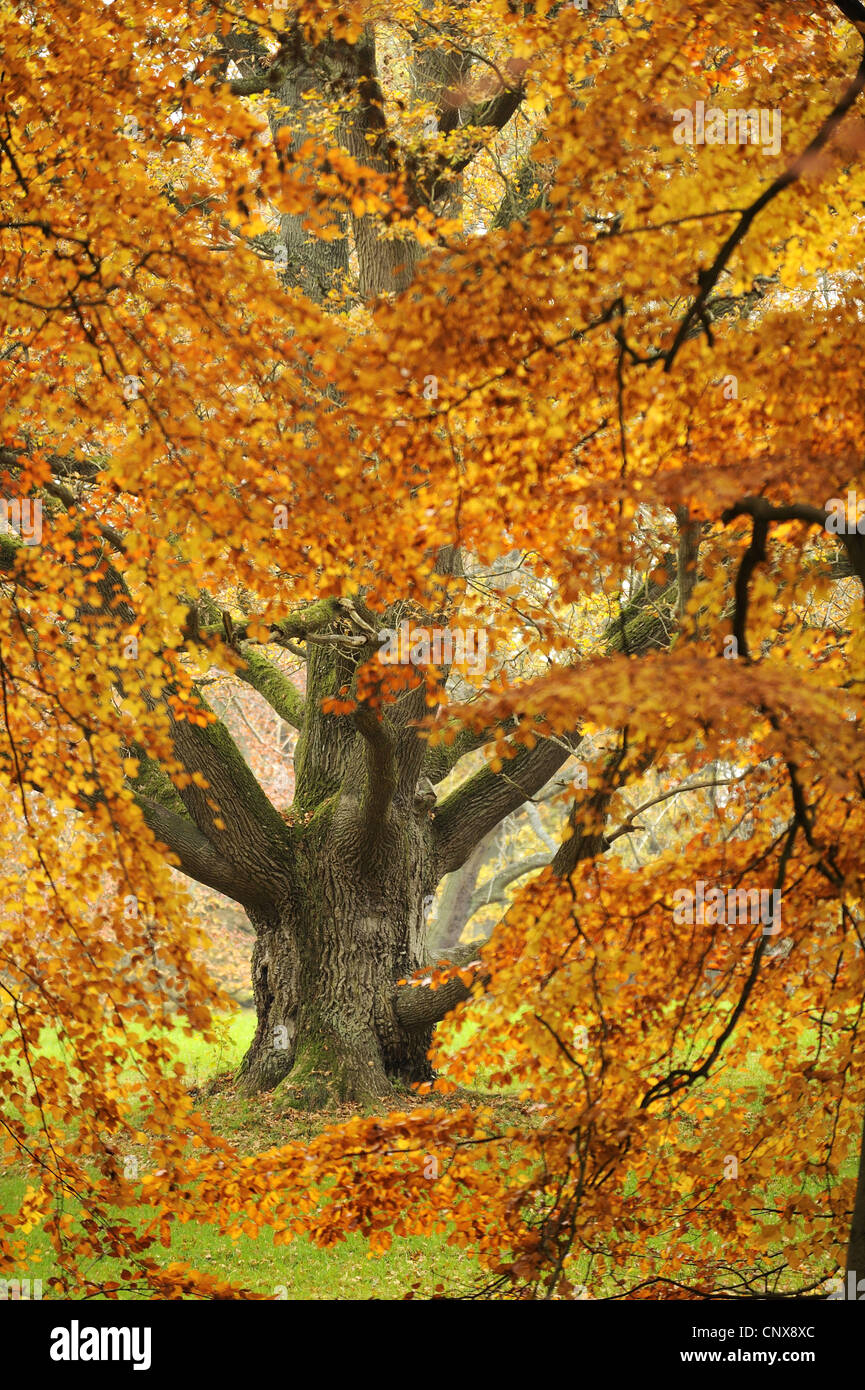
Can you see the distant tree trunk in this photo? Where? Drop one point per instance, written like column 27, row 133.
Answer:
column 454, row 908
column 344, row 919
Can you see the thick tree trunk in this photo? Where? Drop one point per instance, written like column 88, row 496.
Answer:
column 326, row 964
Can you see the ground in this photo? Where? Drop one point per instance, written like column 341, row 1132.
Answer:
column 300, row 1270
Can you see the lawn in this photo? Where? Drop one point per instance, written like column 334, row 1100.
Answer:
column 297, row 1271
column 301, row 1270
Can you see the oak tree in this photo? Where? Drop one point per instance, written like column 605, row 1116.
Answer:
column 519, row 339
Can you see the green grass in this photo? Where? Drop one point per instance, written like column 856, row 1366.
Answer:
column 297, row 1271
column 200, row 1057
column 300, row 1270
column 203, row 1061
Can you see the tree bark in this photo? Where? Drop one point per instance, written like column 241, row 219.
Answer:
column 348, row 925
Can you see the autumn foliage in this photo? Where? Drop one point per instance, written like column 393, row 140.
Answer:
column 269, row 369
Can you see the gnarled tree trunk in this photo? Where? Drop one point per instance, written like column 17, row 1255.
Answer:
column 328, row 957
column 337, row 890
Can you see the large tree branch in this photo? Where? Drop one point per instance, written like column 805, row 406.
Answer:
column 311, row 618
column 152, row 782
column 441, row 759
column 650, row 616
column 279, row 692
column 419, row 1006
column 586, row 837
column 232, row 810
column 196, row 855
column 471, row 811
column 493, row 114
column 259, row 71
column 494, row 890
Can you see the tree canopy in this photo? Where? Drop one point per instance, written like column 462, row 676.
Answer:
column 534, row 324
